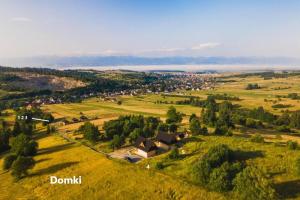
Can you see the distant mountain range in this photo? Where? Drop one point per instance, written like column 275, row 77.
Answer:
column 67, row 61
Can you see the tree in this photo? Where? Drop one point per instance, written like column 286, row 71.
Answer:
column 173, row 127
column 8, row 161
column 253, row 86
column 113, row 127
column 225, row 114
column 90, row 131
column 295, row 119
column 21, row 165
column 16, row 129
column 252, row 184
column 22, row 145
column 163, row 127
column 30, row 148
column 193, row 116
column 4, row 141
column 209, row 114
column 135, row 134
column 173, row 116
column 195, row 126
column 116, row 142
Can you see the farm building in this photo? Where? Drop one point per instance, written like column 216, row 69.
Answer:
column 145, row 147
column 164, row 140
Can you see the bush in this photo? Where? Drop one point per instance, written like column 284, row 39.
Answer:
column 159, row 165
column 220, row 180
column 251, row 184
column 257, row 138
column 174, row 154
column 298, row 166
column 31, row 148
column 293, row 145
column 251, row 123
column 21, row 165
column 284, row 129
column 214, row 158
column 220, row 130
column 8, row 161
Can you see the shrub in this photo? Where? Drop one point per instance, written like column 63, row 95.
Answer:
column 257, row 138
column 159, row 165
column 173, row 127
column 220, row 130
column 221, row 178
column 204, row 130
column 283, row 129
column 293, row 145
column 8, row 161
column 21, row 165
column 31, row 148
column 251, row 123
column 298, row 166
column 174, row 154
column 214, row 158
column 251, row 184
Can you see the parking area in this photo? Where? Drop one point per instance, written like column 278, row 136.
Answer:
column 126, row 153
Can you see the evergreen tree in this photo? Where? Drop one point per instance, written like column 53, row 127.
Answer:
column 195, row 127
column 21, row 165
column 209, row 114
column 173, row 116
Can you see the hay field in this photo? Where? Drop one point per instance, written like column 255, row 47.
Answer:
column 102, row 178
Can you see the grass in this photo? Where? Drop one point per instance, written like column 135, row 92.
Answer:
column 102, row 178
column 277, row 161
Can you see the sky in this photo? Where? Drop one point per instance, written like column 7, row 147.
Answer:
column 262, row 28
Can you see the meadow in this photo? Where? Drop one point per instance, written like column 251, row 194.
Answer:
column 102, row 178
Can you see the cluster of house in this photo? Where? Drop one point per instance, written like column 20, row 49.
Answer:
column 147, row 147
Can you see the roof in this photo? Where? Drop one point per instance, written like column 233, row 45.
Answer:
column 180, row 134
column 145, row 144
column 166, row 138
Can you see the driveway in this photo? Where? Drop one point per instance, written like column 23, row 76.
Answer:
column 125, row 154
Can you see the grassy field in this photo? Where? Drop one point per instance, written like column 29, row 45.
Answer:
column 102, row 178
column 277, row 161
column 112, row 179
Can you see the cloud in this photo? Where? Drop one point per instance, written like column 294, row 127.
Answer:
column 20, row 19
column 208, row 45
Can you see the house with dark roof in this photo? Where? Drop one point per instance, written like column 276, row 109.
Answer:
column 145, row 147
column 164, row 140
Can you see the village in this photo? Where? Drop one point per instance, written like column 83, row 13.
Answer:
column 166, row 83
